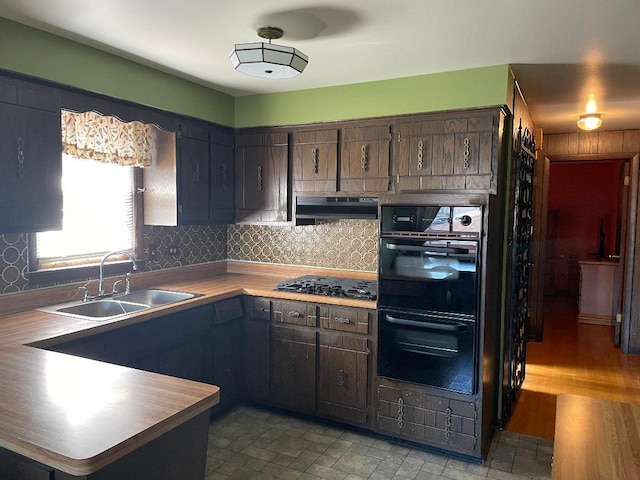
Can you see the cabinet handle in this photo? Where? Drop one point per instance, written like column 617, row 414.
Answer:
column 223, row 176
column 259, row 177
column 196, row 174
column 342, row 320
column 314, row 159
column 447, row 424
column 342, row 378
column 294, row 314
column 420, row 154
column 400, row 412
column 20, row 157
column 467, row 152
column 364, row 158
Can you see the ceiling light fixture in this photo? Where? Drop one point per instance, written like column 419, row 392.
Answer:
column 589, row 121
column 267, row 60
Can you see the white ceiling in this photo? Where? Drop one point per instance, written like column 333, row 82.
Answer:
column 562, row 51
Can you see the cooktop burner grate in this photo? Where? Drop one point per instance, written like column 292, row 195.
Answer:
column 331, row 287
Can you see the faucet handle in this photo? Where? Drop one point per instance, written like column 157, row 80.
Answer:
column 115, row 286
column 127, row 283
column 85, row 293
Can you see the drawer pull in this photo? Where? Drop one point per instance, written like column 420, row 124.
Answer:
column 447, row 423
column 342, row 320
column 294, row 314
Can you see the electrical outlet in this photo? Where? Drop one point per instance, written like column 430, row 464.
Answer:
column 174, row 250
column 153, row 252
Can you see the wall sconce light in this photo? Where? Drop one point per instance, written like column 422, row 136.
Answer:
column 589, row 121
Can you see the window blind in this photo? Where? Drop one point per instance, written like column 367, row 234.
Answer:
column 98, row 211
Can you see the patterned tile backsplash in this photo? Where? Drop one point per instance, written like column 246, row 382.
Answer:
column 343, row 244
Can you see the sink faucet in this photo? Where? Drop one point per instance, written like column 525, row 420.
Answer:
column 104, row 259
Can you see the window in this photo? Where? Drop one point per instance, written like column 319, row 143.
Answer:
column 100, row 178
column 98, row 214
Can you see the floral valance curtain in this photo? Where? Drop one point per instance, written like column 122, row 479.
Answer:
column 89, row 135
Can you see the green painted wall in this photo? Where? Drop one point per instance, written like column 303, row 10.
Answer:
column 34, row 52
column 43, row 55
column 479, row 87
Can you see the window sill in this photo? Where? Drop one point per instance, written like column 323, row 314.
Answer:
column 81, row 273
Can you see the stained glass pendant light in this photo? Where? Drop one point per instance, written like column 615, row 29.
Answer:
column 268, row 60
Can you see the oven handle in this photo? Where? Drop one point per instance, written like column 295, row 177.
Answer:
column 427, row 250
column 450, row 327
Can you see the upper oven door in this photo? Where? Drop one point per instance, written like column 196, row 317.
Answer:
column 429, row 275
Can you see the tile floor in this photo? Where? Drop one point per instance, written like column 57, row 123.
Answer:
column 254, row 444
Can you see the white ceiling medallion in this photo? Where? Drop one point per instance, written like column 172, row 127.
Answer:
column 267, row 60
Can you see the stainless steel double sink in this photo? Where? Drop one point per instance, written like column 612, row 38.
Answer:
column 108, row 308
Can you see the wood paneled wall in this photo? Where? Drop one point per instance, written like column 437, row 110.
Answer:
column 593, row 143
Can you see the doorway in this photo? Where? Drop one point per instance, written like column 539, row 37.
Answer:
column 623, row 236
column 585, row 211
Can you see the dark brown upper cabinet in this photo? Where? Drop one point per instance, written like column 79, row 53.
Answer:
column 192, row 179
column 448, row 151
column 194, row 174
column 30, row 158
column 205, row 156
column 365, row 158
column 315, row 161
column 222, row 175
column 262, row 160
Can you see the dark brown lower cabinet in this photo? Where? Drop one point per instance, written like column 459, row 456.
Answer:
column 293, row 368
column 178, row 344
column 420, row 416
column 16, row 467
column 256, row 350
column 343, row 377
column 226, row 356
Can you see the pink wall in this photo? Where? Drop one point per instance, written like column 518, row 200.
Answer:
column 582, row 193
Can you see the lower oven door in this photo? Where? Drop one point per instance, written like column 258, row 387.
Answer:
column 429, row 275
column 428, row 348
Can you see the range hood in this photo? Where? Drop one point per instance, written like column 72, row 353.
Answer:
column 310, row 209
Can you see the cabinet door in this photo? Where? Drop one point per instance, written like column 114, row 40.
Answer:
column 256, row 348
column 222, row 177
column 343, row 377
column 365, row 159
column 226, row 351
column 293, row 368
column 315, row 161
column 193, row 164
column 31, row 164
column 447, row 152
column 261, row 172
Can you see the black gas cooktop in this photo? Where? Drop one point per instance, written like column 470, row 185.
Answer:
column 331, row 287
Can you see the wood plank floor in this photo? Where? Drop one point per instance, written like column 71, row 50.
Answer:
column 572, row 358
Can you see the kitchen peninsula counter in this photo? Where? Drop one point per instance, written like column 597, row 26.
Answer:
column 79, row 415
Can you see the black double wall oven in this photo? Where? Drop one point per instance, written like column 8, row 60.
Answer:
column 428, row 289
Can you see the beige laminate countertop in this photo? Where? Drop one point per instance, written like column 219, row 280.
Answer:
column 79, row 415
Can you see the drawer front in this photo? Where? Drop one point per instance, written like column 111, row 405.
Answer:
column 295, row 313
column 427, row 419
column 352, row 320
